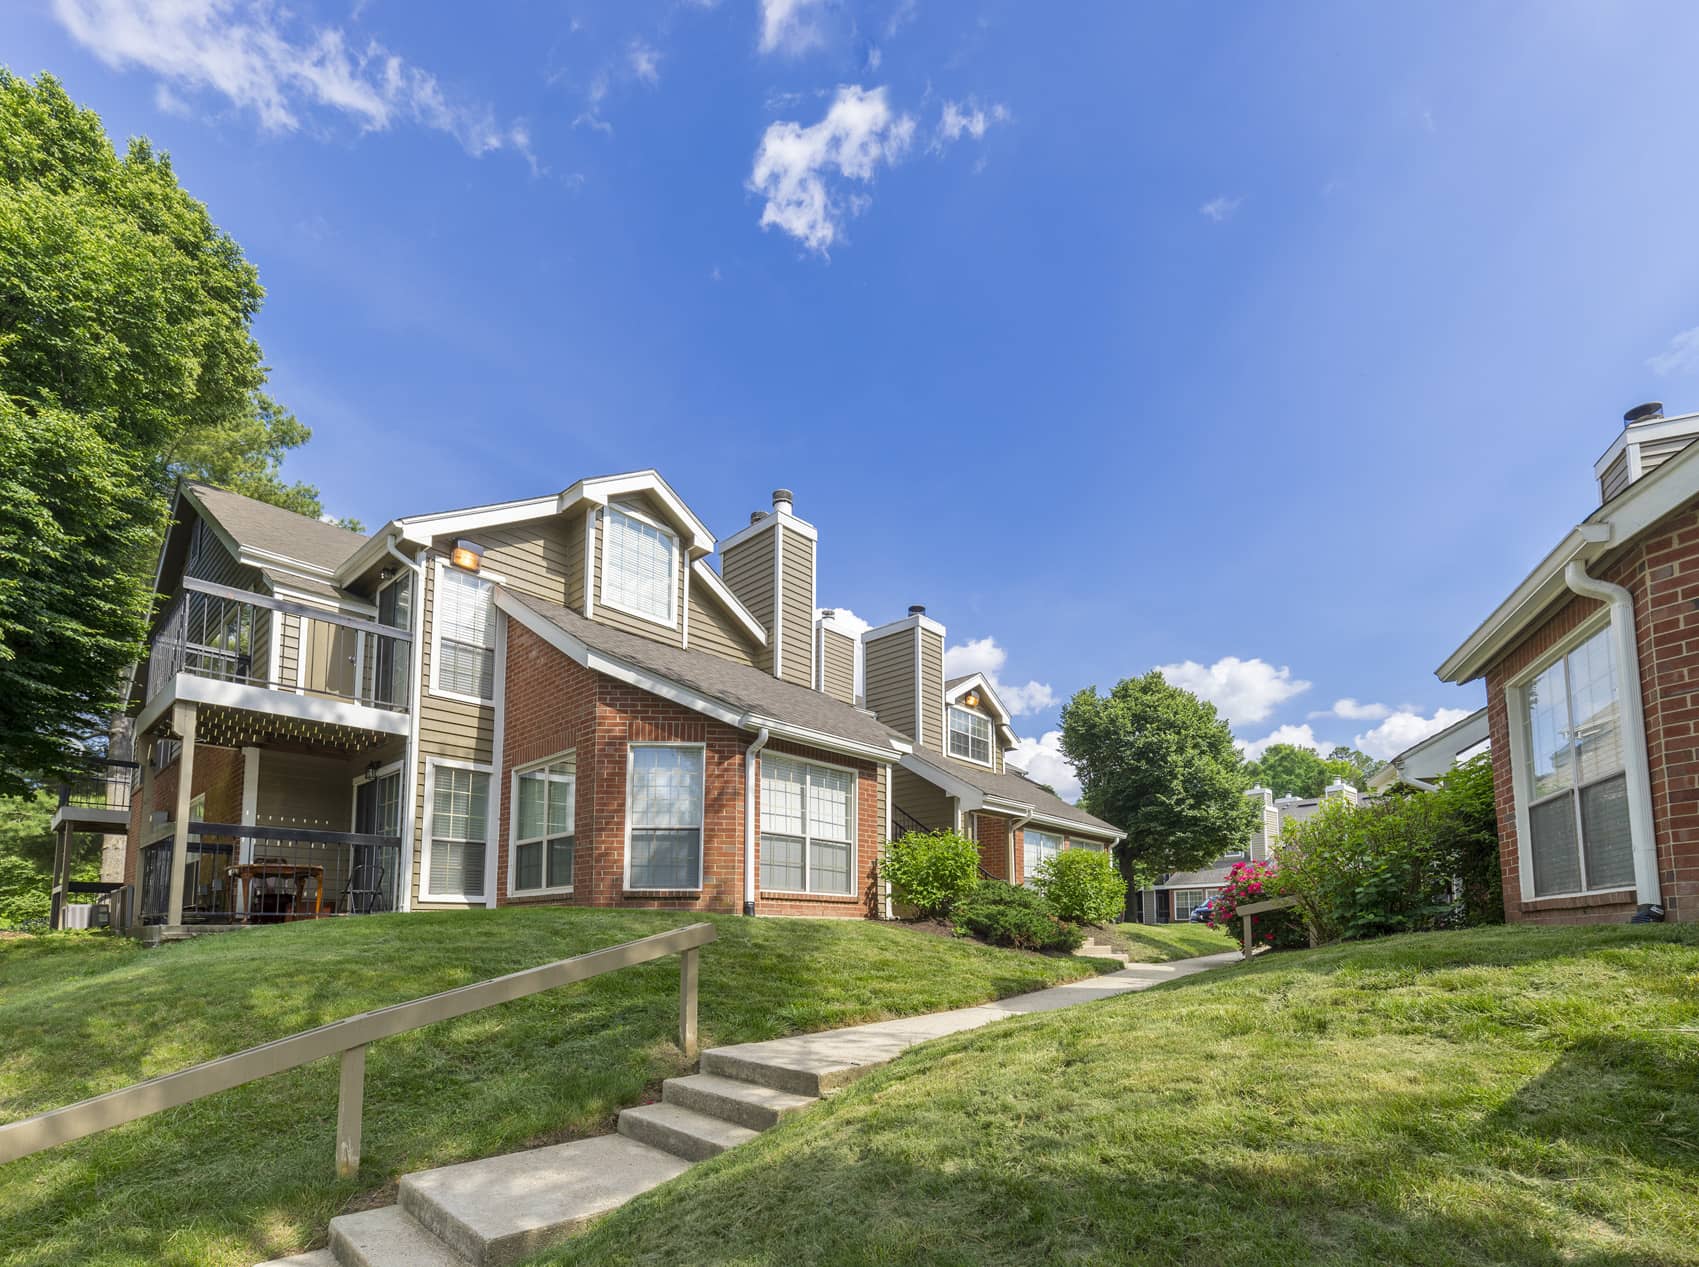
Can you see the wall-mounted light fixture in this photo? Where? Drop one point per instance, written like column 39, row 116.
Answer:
column 971, row 700
column 468, row 555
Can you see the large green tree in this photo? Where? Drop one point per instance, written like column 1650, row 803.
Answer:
column 126, row 359
column 1160, row 764
column 1292, row 770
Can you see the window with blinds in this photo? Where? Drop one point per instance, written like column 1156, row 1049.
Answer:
column 639, row 573
column 459, row 829
column 543, row 840
column 970, row 736
column 664, row 812
column 807, row 827
column 1037, row 848
column 1578, row 816
column 463, row 657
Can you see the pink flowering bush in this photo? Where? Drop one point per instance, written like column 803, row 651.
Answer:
column 1249, row 882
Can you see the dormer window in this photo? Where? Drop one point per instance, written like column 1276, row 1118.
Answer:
column 970, row 736
column 639, row 567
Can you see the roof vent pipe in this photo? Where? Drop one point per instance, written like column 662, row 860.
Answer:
column 917, row 610
column 1651, row 411
column 756, row 516
column 782, row 501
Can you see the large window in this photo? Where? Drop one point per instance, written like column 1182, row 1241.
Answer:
column 807, row 827
column 463, row 655
column 970, row 736
column 394, row 657
column 1184, row 901
column 639, row 572
column 1578, row 808
column 458, row 830
column 664, row 817
column 544, row 797
column 1037, row 847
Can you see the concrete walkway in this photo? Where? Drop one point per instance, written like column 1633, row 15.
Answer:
column 495, row 1211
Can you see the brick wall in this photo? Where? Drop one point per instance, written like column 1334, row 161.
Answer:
column 992, row 833
column 553, row 704
column 218, row 773
column 1661, row 572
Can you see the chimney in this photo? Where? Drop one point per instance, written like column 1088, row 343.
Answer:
column 903, row 676
column 1647, row 440
column 834, row 659
column 770, row 566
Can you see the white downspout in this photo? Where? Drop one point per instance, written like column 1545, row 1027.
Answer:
column 1014, row 827
column 410, row 770
column 749, row 755
column 1638, row 766
column 1421, row 785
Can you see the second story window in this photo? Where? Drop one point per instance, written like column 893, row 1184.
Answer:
column 970, row 736
column 639, row 567
column 463, row 659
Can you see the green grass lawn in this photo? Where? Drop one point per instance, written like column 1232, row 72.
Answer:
column 1514, row 1095
column 248, row 1175
column 1159, row 943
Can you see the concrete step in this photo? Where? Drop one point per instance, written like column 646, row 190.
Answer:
column 312, row 1258
column 810, row 1064
column 387, row 1237
column 683, row 1132
column 501, row 1209
column 745, row 1103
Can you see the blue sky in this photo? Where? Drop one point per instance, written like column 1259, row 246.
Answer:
column 1274, row 342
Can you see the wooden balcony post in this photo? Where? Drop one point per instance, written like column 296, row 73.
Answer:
column 350, row 1104
column 183, row 718
column 687, row 974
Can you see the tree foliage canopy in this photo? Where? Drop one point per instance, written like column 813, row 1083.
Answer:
column 1160, row 764
column 1292, row 770
column 126, row 360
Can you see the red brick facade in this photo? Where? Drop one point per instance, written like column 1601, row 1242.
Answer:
column 218, row 773
column 1661, row 571
column 554, row 705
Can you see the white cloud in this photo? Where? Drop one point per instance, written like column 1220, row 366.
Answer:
column 983, row 655
column 1042, row 759
column 1243, row 690
column 645, row 61
column 249, row 55
column 790, row 26
column 1404, row 728
column 1351, row 710
column 970, row 119
column 169, row 102
column 874, row 57
column 793, row 164
column 1219, row 209
column 1297, row 736
column 1680, row 357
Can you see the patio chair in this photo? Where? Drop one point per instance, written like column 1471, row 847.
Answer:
column 366, row 893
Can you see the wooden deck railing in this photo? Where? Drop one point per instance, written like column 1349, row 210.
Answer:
column 349, row 1039
column 1257, row 908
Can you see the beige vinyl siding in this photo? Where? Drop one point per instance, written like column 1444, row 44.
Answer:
column 623, row 620
column 932, row 689
column 889, row 679
column 882, row 798
column 534, row 558
column 289, row 658
column 298, row 789
column 836, row 651
column 713, row 631
column 747, row 569
column 447, row 728
column 797, row 631
column 1615, row 478
column 920, row 800
column 1654, row 453
column 209, row 561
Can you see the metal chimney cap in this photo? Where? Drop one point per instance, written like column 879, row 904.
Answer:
column 782, row 497
column 1650, row 411
column 917, row 610
column 756, row 516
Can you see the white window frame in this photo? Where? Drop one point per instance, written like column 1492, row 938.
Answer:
column 443, row 565
column 701, row 817
column 1027, row 833
column 1522, row 791
column 990, row 762
column 671, row 622
column 432, row 765
column 1173, row 897
column 808, row 890
column 398, row 766
column 513, row 837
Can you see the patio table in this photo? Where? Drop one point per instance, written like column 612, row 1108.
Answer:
column 243, row 875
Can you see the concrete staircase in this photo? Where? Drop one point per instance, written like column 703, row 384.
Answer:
column 499, row 1210
column 1091, row 948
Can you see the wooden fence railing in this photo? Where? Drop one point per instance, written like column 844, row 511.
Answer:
column 1257, row 908
column 349, row 1038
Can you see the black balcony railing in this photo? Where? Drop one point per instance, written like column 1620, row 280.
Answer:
column 239, row 874
column 234, row 635
column 100, row 784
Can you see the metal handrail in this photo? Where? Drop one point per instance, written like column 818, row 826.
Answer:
column 349, row 1038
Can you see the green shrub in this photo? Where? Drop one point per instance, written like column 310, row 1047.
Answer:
column 931, row 871
column 1005, row 915
column 1082, row 886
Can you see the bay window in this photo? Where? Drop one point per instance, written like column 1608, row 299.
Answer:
column 807, row 827
column 970, row 736
column 639, row 567
column 543, row 839
column 1578, row 835
column 664, row 816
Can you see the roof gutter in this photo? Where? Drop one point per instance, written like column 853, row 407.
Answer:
column 1625, row 648
column 749, row 755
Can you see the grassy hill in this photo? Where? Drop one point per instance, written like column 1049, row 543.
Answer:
column 248, row 1175
column 1515, row 1095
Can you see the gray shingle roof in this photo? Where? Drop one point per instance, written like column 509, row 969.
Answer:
column 261, row 526
column 1209, row 878
column 737, row 685
column 1012, row 786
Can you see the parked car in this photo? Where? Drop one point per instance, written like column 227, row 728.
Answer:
column 1200, row 914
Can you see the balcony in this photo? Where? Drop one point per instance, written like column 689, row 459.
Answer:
column 97, row 797
column 265, row 669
